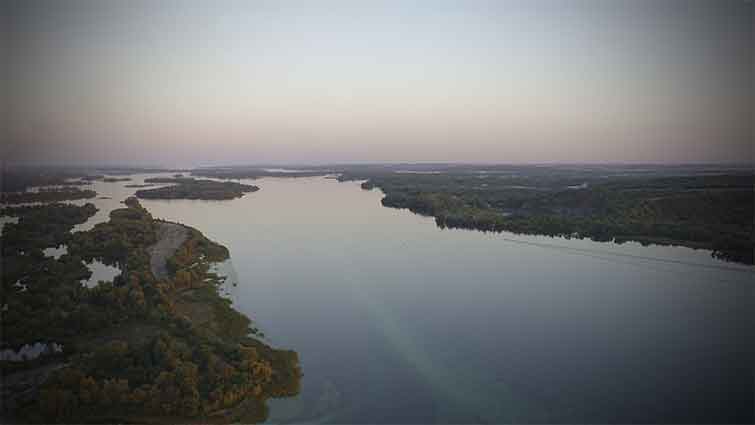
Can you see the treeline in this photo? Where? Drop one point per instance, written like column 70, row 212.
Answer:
column 714, row 212
column 20, row 179
column 47, row 195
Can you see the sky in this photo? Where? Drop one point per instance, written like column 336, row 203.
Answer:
column 186, row 83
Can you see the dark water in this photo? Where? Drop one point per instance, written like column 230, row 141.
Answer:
column 397, row 321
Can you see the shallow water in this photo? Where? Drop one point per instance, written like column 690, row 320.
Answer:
column 396, row 320
column 229, row 287
column 56, row 252
column 100, row 272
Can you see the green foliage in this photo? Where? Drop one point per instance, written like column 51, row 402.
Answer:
column 18, row 179
column 189, row 188
column 133, row 351
column 42, row 296
column 42, row 226
column 167, row 377
column 701, row 211
column 47, row 195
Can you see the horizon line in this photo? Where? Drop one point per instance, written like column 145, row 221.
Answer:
column 162, row 166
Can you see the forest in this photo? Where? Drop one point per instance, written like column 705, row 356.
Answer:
column 698, row 208
column 138, row 349
column 19, row 177
column 47, row 195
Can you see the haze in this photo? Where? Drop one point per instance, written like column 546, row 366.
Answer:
column 189, row 83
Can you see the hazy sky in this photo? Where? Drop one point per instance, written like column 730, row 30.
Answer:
column 187, row 83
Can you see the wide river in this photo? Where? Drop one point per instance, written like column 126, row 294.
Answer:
column 398, row 321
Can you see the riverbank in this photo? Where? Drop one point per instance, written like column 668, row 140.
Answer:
column 159, row 344
column 691, row 209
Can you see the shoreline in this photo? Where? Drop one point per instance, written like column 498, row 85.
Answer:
column 177, row 311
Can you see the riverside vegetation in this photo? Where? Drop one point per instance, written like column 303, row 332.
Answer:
column 139, row 348
column 698, row 208
column 17, row 178
column 47, row 195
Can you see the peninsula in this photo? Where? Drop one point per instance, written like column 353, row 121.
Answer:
column 157, row 344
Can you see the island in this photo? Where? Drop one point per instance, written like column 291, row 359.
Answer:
column 157, row 344
column 693, row 206
column 136, row 185
column 116, row 179
column 191, row 188
column 103, row 178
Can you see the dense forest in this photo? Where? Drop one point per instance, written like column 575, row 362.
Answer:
column 47, row 195
column 710, row 210
column 138, row 349
column 18, row 178
column 190, row 188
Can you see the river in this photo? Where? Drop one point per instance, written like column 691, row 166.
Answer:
column 398, row 321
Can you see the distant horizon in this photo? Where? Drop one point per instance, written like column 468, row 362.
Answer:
column 134, row 165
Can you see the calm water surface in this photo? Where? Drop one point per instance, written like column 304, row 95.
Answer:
column 397, row 321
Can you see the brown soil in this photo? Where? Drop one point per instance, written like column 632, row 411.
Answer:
column 169, row 237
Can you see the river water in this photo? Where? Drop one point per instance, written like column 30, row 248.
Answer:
column 398, row 321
